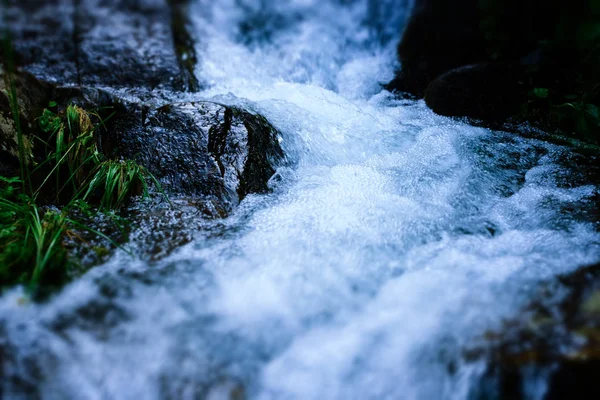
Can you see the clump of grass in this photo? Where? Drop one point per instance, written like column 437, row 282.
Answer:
column 117, row 181
column 79, row 169
column 74, row 153
column 79, row 179
column 31, row 245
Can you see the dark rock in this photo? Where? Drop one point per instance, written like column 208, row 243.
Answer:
column 126, row 43
column 555, row 53
column 43, row 38
column 141, row 44
column 203, row 149
column 440, row 35
column 556, row 338
column 490, row 91
column 99, row 101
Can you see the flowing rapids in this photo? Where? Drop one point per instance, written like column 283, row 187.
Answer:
column 392, row 237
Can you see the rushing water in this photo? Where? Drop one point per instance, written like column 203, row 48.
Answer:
column 391, row 240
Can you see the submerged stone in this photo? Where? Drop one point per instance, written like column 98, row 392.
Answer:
column 556, row 338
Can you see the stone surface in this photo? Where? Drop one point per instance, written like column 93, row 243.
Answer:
column 43, row 38
column 203, row 149
column 131, row 43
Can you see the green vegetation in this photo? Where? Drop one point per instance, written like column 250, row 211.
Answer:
column 76, row 178
column 184, row 44
column 560, row 44
column 116, row 181
column 72, row 149
column 31, row 249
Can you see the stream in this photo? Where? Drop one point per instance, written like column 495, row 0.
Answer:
column 391, row 240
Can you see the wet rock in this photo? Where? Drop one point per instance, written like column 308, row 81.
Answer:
column 43, row 38
column 487, row 91
column 164, row 229
column 141, row 44
column 204, row 150
column 184, row 41
column 555, row 339
column 201, row 387
column 440, row 35
column 227, row 390
column 99, row 317
column 126, row 43
column 211, row 154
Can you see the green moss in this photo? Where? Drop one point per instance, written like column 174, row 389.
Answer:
column 184, row 44
column 592, row 305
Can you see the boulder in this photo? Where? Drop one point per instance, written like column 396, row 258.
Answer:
column 487, row 91
column 201, row 149
column 443, row 35
column 440, row 35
